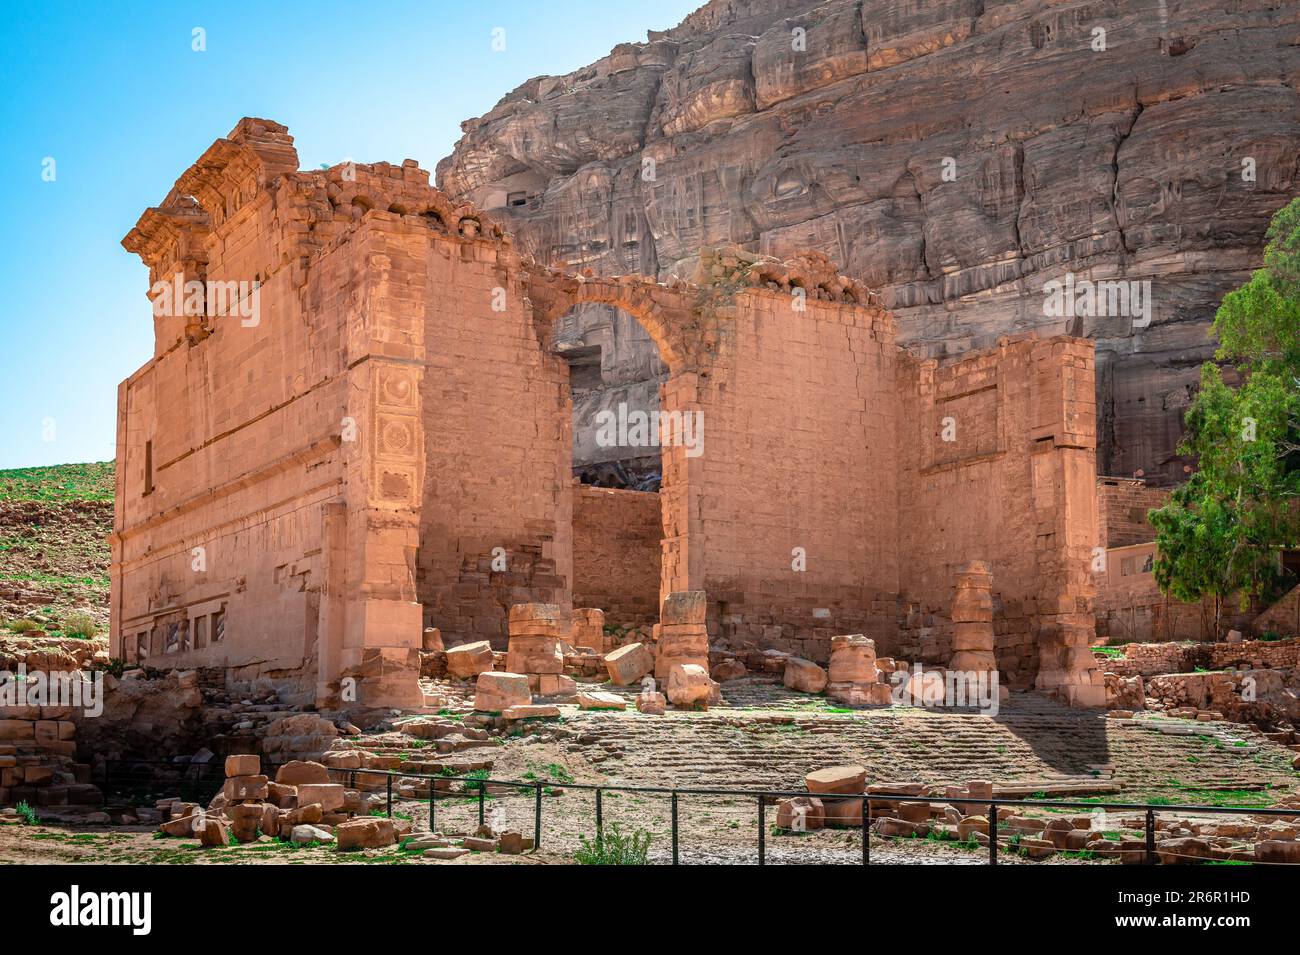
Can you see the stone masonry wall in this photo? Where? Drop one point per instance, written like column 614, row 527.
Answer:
column 617, row 552
column 1122, row 505
column 799, row 449
column 1013, row 487
column 499, row 449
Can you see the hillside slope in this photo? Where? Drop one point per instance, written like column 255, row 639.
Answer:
column 54, row 553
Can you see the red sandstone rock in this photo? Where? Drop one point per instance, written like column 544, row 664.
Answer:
column 628, row 664
column 496, row 692
column 330, row 796
column 469, row 659
column 297, row 772
column 366, row 833
column 689, row 686
column 804, row 676
column 800, row 813
column 243, row 765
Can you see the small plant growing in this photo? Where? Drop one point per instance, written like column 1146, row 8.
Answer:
column 614, row 848
column 80, row 625
column 23, row 626
column 27, row 813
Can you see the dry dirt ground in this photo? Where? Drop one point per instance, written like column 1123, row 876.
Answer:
column 767, row 737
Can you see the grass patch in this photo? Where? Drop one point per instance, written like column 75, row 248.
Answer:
column 614, row 848
column 60, row 482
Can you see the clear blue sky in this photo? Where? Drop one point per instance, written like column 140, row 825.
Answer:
column 115, row 95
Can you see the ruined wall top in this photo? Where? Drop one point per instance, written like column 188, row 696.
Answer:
column 258, row 162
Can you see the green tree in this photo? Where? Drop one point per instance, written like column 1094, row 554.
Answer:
column 1220, row 533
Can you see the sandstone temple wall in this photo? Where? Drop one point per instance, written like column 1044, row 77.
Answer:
column 617, row 553
column 388, row 446
column 799, row 449
column 997, row 457
column 499, row 445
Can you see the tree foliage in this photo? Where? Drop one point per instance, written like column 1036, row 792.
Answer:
column 1220, row 533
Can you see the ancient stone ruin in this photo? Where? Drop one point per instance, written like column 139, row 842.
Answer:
column 356, row 426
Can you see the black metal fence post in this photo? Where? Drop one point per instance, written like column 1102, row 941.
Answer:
column 482, row 798
column 993, row 833
column 674, row 827
column 866, row 832
column 762, row 830
column 390, row 797
column 600, row 821
column 537, row 818
column 1151, row 837
column 433, row 793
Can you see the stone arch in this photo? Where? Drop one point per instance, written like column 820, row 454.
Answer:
column 673, row 323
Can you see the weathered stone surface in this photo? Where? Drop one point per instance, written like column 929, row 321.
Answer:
column 330, row 796
column 496, row 691
column 801, row 813
column 853, row 659
column 530, row 711
column 837, row 779
column 299, row 771
column 689, row 686
column 842, row 146
column 368, row 833
column 469, row 659
column 628, row 664
column 243, row 766
column 804, row 676
column 598, row 700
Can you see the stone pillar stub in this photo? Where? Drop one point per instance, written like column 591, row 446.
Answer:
column 683, row 635
column 972, row 620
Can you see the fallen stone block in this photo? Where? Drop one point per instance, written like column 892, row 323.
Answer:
column 300, row 772
column 243, row 766
column 213, row 833
column 245, row 788
column 1278, row 851
column 598, row 700
column 800, row 814
column 371, row 832
column 305, row 833
column 689, row 686
column 496, row 692
column 653, row 704
column 628, row 664
column 837, row 779
column 330, row 796
column 445, row 853
column 530, row 711
column 469, row 660
column 804, row 676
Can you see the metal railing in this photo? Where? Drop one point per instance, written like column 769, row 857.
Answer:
column 765, row 796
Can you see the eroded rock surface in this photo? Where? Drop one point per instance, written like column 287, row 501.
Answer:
column 1122, row 163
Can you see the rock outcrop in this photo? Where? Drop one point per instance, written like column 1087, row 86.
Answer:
column 957, row 154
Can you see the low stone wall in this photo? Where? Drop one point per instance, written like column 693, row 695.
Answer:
column 1153, row 659
column 617, row 553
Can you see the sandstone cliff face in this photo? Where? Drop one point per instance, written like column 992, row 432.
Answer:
column 957, row 154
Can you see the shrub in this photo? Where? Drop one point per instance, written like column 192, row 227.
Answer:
column 80, row 625
column 23, row 626
column 27, row 813
column 614, row 848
